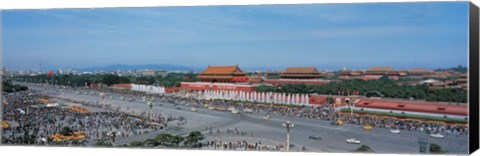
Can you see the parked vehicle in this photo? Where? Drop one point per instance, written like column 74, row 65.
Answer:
column 437, row 135
column 353, row 141
column 194, row 109
column 315, row 137
column 266, row 117
column 248, row 110
column 220, row 109
column 395, row 131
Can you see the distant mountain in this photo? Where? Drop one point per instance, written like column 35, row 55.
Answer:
column 457, row 69
column 123, row 67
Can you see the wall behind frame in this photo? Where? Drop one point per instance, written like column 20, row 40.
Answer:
column 473, row 77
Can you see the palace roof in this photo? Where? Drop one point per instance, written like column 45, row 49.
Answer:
column 306, row 70
column 223, row 70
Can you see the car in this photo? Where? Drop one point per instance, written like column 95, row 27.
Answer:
column 178, row 108
column 436, row 135
column 315, row 137
column 248, row 110
column 353, row 141
column 221, row 109
column 194, row 109
column 333, row 123
column 266, row 117
column 367, row 127
column 395, row 131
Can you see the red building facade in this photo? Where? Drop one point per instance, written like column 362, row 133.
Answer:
column 203, row 86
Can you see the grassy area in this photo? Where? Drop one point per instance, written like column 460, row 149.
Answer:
column 409, row 116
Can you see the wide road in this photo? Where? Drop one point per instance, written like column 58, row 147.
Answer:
column 270, row 131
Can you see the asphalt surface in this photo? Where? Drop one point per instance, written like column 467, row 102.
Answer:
column 270, row 131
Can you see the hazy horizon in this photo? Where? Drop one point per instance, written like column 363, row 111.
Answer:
column 326, row 36
column 100, row 68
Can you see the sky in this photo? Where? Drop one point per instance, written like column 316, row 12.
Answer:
column 326, row 36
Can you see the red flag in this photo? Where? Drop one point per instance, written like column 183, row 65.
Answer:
column 50, row 73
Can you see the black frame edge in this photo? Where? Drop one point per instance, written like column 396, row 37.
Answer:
column 473, row 78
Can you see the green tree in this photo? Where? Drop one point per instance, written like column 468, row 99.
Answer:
column 386, row 87
column 364, row 148
column 166, row 140
column 66, row 131
column 114, row 79
column 151, row 142
column 136, row 144
column 176, row 140
column 148, row 80
column 9, row 87
column 329, row 100
column 193, row 138
column 435, row 148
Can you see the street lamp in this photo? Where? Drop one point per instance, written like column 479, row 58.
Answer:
column 351, row 105
column 103, row 95
column 288, row 125
column 85, row 123
column 150, row 104
column 271, row 101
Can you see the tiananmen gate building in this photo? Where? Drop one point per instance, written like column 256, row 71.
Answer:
column 223, row 74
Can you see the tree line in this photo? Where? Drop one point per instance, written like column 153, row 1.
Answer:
column 171, row 80
column 383, row 87
column 9, row 87
column 192, row 140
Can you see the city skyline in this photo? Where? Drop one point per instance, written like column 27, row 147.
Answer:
column 326, row 36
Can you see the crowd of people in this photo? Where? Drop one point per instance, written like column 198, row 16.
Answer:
column 239, row 145
column 36, row 125
column 228, row 131
column 244, row 145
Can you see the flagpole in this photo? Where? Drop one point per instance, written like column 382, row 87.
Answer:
column 52, row 79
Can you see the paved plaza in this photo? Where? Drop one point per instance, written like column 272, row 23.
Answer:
column 254, row 128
